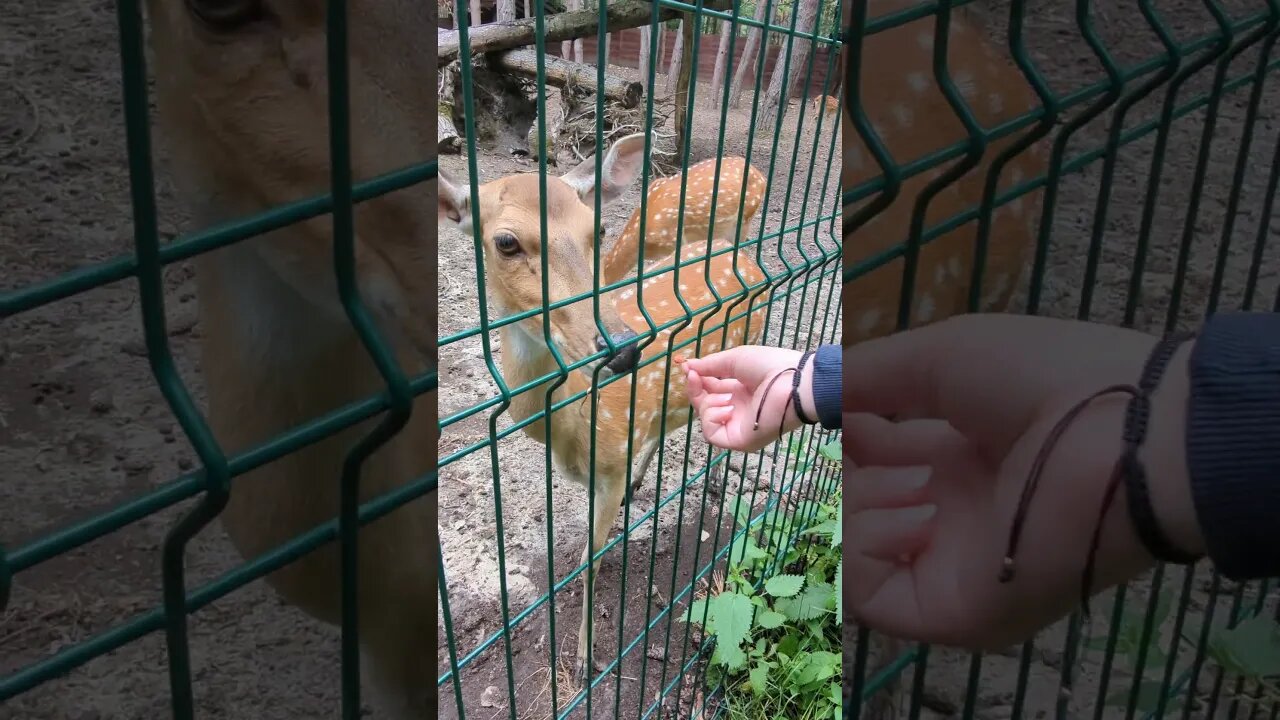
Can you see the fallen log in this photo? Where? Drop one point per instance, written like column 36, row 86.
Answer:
column 560, row 26
column 562, row 73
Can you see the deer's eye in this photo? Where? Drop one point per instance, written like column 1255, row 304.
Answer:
column 226, row 15
column 507, row 244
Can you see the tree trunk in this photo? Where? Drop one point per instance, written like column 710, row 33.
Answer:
column 506, row 10
column 577, row 42
column 783, row 79
column 677, row 55
column 561, row 72
column 558, row 27
column 642, row 65
column 474, row 14
column 685, row 43
column 747, row 63
column 722, row 59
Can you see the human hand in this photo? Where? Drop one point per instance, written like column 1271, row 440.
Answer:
column 941, row 427
column 727, row 388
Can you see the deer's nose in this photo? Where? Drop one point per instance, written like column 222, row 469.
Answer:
column 627, row 355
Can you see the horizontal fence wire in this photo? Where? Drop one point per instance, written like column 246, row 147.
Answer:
column 219, row 473
column 1157, row 649
column 506, row 648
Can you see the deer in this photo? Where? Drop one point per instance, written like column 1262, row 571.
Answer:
column 826, row 104
column 513, row 249
column 241, row 87
column 911, row 116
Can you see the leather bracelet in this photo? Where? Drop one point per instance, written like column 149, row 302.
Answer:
column 1127, row 469
column 795, row 389
column 1137, row 493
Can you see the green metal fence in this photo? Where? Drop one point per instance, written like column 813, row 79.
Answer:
column 1157, row 210
column 506, row 652
column 217, row 475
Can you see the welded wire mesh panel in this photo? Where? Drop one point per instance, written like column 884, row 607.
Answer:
column 298, row 421
column 1105, row 161
column 536, row 273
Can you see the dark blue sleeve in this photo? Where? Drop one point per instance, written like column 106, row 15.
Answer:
column 1233, row 442
column 827, row 383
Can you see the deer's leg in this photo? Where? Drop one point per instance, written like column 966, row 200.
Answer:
column 609, row 492
column 646, row 457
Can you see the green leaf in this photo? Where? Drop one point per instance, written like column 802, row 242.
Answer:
column 783, row 585
column 811, row 603
column 745, row 551
column 769, row 619
column 759, row 679
column 839, row 592
column 695, row 612
column 831, row 451
column 732, row 622
column 1251, row 648
column 1149, row 692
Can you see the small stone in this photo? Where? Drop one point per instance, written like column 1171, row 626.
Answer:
column 100, row 401
column 657, row 652
column 136, row 465
column 491, row 697
column 184, row 462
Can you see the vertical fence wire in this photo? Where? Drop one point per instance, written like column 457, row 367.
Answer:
column 1221, row 41
column 684, row 661
column 213, row 482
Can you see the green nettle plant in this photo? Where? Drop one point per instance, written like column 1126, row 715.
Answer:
column 1249, row 651
column 776, row 620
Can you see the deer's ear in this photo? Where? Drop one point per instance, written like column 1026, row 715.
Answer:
column 620, row 167
column 453, row 204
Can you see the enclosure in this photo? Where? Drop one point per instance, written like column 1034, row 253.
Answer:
column 121, row 595
column 1154, row 207
column 513, row 522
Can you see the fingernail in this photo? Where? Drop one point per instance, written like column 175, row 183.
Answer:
column 916, row 477
column 918, row 515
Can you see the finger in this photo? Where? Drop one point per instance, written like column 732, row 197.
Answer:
column 954, row 370
column 715, row 416
column 871, row 440
column 869, row 488
column 721, row 364
column 723, row 385
column 694, row 388
column 892, row 534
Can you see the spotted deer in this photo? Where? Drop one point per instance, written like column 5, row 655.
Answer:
column 903, row 99
column 242, row 89
column 513, row 251
column 827, row 104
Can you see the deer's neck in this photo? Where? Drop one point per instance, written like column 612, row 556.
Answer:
column 526, row 358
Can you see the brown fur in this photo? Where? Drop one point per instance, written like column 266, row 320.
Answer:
column 510, row 205
column 244, row 115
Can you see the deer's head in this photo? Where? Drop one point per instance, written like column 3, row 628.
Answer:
column 514, row 249
column 243, row 92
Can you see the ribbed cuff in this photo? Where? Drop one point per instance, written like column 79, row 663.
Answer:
column 1233, row 442
column 827, row 384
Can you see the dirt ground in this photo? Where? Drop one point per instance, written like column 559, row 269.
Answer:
column 83, row 427
column 468, row 527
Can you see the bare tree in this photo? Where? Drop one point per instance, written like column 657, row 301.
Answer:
column 727, row 29
column 474, row 14
column 577, row 43
column 783, row 78
column 506, row 10
column 747, row 63
column 684, row 45
column 642, row 65
column 677, row 54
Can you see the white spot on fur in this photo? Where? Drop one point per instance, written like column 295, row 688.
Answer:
column 868, row 321
column 925, row 309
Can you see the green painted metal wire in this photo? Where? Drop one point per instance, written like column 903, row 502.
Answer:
column 1116, row 96
column 213, row 481
column 810, row 282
